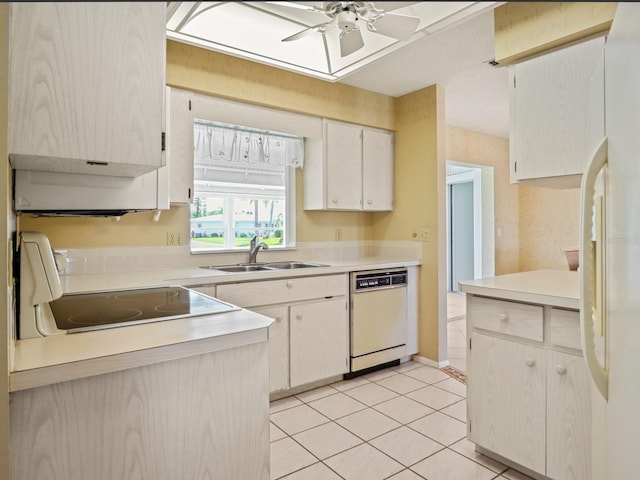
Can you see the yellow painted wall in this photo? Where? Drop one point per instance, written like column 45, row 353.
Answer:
column 419, row 202
column 5, row 256
column 229, row 77
column 224, row 76
column 523, row 29
column 477, row 148
column 549, row 223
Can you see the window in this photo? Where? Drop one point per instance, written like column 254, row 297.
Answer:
column 244, row 183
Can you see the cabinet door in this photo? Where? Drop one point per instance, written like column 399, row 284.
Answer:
column 506, row 399
column 343, row 151
column 377, row 170
column 278, row 347
column 319, row 340
column 86, row 86
column 180, row 145
column 556, row 111
column 569, row 418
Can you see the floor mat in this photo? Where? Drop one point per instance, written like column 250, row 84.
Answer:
column 455, row 373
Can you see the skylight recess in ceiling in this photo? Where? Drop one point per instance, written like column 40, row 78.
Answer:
column 254, row 31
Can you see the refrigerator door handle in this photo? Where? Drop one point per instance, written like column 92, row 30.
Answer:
column 588, row 307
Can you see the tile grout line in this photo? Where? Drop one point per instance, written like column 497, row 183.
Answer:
column 497, row 475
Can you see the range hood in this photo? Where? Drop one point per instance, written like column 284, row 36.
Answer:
column 67, row 194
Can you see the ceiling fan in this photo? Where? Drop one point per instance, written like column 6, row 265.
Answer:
column 349, row 16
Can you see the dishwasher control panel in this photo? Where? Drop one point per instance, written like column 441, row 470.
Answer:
column 380, row 279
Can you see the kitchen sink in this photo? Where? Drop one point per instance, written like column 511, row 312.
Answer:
column 239, row 268
column 253, row 267
column 294, row 264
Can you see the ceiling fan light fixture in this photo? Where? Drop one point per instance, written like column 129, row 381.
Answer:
column 346, row 20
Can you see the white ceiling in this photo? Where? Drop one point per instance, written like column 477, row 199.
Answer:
column 476, row 93
column 451, row 47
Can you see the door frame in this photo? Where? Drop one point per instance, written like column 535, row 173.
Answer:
column 473, row 175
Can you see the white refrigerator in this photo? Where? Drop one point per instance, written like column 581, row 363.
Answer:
column 610, row 259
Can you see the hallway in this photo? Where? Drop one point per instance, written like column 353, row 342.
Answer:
column 457, row 330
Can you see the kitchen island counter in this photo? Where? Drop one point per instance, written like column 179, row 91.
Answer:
column 58, row 358
column 558, row 288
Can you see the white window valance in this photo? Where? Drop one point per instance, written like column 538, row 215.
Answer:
column 222, row 151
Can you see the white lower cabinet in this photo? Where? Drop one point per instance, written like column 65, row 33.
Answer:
column 309, row 340
column 506, row 400
column 278, row 346
column 569, row 417
column 528, row 400
column 318, row 334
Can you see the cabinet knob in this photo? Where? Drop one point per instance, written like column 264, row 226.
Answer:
column 335, row 200
column 369, row 202
column 289, row 284
column 529, row 362
column 278, row 318
column 561, row 369
column 299, row 316
column 503, row 316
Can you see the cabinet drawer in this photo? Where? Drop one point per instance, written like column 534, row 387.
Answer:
column 511, row 318
column 270, row 292
column 565, row 328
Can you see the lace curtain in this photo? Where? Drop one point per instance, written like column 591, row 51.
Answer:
column 245, row 149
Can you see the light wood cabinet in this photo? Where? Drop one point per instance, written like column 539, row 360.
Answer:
column 508, row 405
column 278, row 346
column 569, row 417
column 180, row 145
column 556, row 114
column 319, row 336
column 351, row 168
column 203, row 416
column 528, row 388
column 87, row 87
column 308, row 341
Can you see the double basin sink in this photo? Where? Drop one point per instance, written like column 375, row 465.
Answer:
column 256, row 267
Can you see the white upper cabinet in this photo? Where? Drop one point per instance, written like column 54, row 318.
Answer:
column 87, row 87
column 180, row 145
column 556, row 111
column 377, row 170
column 350, row 169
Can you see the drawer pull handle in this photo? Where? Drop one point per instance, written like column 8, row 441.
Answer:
column 561, row 369
column 530, row 362
column 299, row 316
column 289, row 284
column 503, row 316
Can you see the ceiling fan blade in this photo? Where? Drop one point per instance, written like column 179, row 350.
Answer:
column 350, row 42
column 304, row 33
column 400, row 27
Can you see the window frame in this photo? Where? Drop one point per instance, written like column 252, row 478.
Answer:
column 216, row 109
column 232, row 192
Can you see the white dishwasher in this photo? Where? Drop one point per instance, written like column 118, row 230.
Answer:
column 378, row 317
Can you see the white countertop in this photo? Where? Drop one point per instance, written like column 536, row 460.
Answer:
column 560, row 288
column 42, row 361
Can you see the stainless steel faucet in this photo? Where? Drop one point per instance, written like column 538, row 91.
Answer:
column 255, row 248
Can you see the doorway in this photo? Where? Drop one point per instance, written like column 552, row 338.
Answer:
column 470, row 245
column 460, row 233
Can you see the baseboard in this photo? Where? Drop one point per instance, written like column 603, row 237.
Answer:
column 429, row 362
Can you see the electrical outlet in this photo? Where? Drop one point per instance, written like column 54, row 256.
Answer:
column 174, row 239
column 338, row 234
column 425, row 235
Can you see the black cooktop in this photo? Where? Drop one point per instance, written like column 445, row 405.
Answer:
column 83, row 312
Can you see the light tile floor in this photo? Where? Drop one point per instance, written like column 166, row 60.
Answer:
column 457, row 330
column 402, row 423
